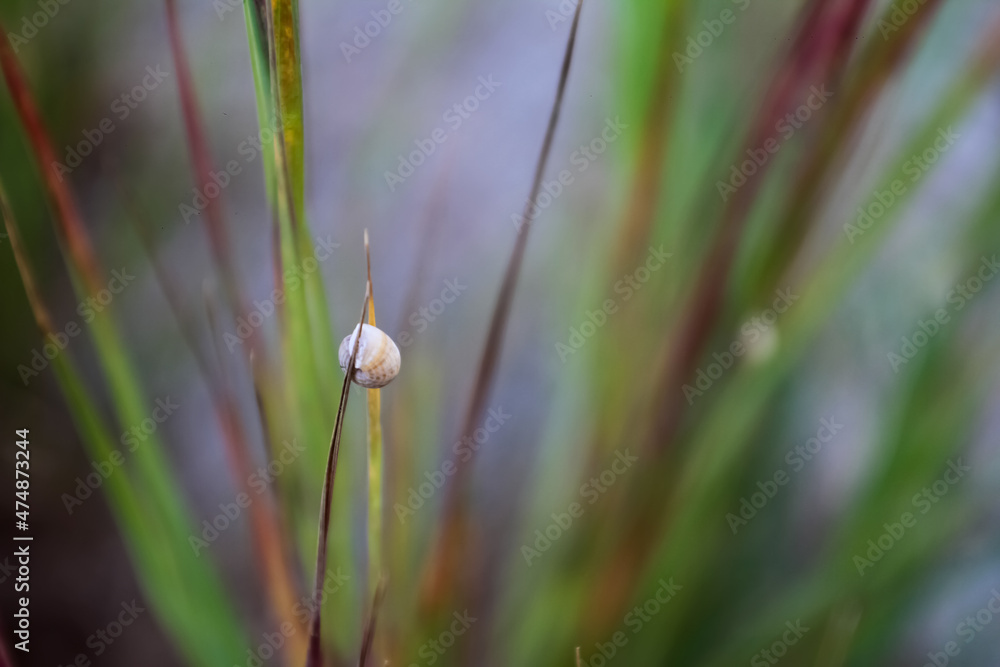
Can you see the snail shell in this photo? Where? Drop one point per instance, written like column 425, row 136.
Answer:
column 378, row 357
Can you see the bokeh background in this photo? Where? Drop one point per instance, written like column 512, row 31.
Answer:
column 445, row 234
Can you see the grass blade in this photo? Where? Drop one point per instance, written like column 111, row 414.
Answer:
column 449, row 541
column 315, row 655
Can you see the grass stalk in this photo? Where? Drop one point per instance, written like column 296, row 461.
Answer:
column 315, row 654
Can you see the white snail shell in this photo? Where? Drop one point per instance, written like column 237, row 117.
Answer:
column 378, row 357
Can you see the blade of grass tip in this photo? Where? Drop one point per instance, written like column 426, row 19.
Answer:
column 315, row 655
column 201, row 162
column 444, row 555
column 579, row 660
column 369, row 634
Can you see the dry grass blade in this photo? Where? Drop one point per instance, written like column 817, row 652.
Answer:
column 442, row 556
column 315, row 655
column 369, row 635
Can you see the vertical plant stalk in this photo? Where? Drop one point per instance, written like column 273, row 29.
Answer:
column 315, row 655
column 376, row 472
column 285, row 17
column 445, row 555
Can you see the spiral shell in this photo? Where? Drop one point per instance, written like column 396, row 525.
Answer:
column 378, row 357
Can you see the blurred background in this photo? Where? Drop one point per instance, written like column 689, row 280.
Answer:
column 746, row 408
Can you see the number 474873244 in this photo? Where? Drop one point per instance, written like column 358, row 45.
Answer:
column 21, row 482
